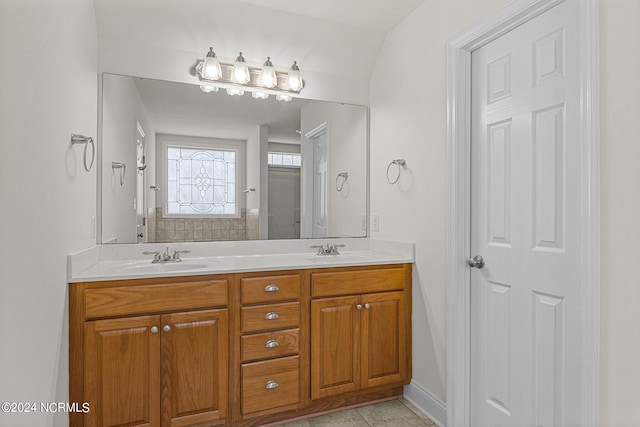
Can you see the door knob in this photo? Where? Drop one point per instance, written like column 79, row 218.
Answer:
column 476, row 262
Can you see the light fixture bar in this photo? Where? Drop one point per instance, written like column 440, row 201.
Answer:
column 253, row 85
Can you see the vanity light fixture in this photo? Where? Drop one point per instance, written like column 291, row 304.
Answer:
column 238, row 77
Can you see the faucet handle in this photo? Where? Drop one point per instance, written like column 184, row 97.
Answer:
column 176, row 254
column 156, row 255
column 335, row 249
column 321, row 249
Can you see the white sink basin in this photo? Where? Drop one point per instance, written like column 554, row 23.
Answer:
column 344, row 257
column 163, row 267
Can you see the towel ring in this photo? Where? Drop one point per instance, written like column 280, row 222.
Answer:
column 86, row 140
column 398, row 162
column 123, row 170
column 344, row 176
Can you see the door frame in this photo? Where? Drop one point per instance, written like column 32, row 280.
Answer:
column 458, row 277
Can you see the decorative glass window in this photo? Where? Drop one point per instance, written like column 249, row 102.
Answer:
column 284, row 159
column 202, row 181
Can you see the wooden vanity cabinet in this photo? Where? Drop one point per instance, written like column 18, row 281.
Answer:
column 271, row 354
column 361, row 340
column 164, row 368
column 241, row 349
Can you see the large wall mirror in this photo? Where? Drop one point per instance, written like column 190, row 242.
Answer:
column 181, row 165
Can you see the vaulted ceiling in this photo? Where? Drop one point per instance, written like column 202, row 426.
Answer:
column 340, row 37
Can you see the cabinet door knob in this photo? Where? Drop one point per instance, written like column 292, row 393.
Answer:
column 271, row 344
column 358, row 306
column 154, row 329
column 272, row 315
column 271, row 384
column 367, row 306
column 166, row 328
column 271, row 288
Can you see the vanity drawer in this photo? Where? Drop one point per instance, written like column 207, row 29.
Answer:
column 270, row 384
column 128, row 300
column 269, row 289
column 271, row 316
column 357, row 281
column 269, row 345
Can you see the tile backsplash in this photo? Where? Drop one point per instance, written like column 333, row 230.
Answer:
column 161, row 229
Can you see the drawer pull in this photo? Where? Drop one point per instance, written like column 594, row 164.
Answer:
column 271, row 288
column 271, row 344
column 154, row 329
column 270, row 385
column 272, row 315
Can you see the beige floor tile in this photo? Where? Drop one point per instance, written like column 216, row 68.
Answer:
column 348, row 418
column 390, row 414
column 420, row 415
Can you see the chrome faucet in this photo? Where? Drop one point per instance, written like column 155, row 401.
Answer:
column 166, row 257
column 328, row 249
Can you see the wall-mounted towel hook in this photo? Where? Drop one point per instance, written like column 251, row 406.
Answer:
column 123, row 170
column 154, row 188
column 344, row 176
column 86, row 140
column 400, row 163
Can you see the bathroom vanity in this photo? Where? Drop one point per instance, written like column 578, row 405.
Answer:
column 246, row 347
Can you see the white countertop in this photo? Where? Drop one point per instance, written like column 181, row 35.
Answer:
column 114, row 262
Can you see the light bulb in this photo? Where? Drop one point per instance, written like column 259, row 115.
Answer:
column 285, row 98
column 240, row 71
column 294, row 78
column 211, row 67
column 268, row 74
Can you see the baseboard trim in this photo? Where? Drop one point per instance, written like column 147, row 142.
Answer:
column 427, row 403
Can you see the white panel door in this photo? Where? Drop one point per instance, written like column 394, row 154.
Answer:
column 525, row 223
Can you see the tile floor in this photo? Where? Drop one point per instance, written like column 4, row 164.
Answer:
column 393, row 413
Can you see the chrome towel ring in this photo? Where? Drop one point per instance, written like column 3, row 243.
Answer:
column 86, row 140
column 344, row 176
column 400, row 163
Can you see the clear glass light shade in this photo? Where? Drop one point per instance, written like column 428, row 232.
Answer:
column 260, row 95
column 294, row 78
column 268, row 75
column 208, row 88
column 240, row 71
column 234, row 91
column 211, row 67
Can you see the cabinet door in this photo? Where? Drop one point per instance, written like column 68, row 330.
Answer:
column 122, row 372
column 194, row 367
column 335, row 352
column 384, row 339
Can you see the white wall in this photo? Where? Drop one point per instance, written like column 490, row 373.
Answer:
column 122, row 109
column 620, row 212
column 408, row 120
column 347, row 130
column 48, row 90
